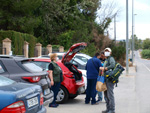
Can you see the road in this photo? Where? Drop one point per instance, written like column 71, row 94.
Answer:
column 143, row 83
column 131, row 95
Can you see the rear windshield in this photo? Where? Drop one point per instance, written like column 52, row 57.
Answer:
column 5, row 81
column 43, row 65
column 30, row 66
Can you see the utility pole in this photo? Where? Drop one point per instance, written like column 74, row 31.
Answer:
column 132, row 31
column 127, row 35
column 115, row 27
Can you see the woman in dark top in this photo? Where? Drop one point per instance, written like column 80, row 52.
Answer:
column 55, row 75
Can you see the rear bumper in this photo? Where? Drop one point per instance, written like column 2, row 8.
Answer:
column 43, row 110
column 48, row 98
column 81, row 90
column 73, row 87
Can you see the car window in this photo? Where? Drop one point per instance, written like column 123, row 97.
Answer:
column 30, row 66
column 79, row 61
column 84, row 59
column 60, row 57
column 43, row 65
column 1, row 68
column 5, row 81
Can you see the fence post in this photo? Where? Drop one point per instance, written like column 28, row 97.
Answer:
column 39, row 49
column 6, row 46
column 49, row 48
column 61, row 49
column 26, row 49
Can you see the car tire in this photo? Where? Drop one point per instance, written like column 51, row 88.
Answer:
column 62, row 96
column 72, row 96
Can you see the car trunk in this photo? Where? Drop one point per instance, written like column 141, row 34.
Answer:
column 69, row 55
column 26, row 93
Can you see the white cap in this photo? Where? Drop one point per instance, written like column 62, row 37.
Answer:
column 108, row 49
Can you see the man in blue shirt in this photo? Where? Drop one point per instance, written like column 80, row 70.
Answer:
column 93, row 65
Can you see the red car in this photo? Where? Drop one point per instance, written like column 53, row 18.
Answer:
column 73, row 83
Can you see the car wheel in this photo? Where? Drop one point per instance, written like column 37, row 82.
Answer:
column 72, row 96
column 62, row 95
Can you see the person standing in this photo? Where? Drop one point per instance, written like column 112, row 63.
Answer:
column 109, row 65
column 93, row 65
column 102, row 59
column 55, row 75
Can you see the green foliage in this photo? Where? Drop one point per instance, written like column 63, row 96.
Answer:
column 20, row 15
column 55, row 46
column 61, row 17
column 137, row 43
column 18, row 41
column 90, row 49
column 146, row 44
column 65, row 39
column 118, row 52
column 146, row 54
column 55, row 22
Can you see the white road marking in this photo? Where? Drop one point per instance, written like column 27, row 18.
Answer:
column 146, row 67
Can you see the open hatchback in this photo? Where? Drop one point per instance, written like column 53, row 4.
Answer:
column 73, row 83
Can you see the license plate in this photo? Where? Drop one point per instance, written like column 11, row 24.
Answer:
column 46, row 92
column 32, row 102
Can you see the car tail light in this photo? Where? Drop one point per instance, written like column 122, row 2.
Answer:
column 41, row 99
column 32, row 79
column 17, row 107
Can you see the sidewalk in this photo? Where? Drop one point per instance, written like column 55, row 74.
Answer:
column 125, row 98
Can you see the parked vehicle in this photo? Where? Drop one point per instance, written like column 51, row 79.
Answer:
column 24, row 70
column 81, row 56
column 20, row 97
column 73, row 83
column 79, row 60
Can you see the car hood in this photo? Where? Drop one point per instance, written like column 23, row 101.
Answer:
column 73, row 51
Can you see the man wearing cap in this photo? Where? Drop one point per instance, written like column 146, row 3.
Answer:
column 109, row 65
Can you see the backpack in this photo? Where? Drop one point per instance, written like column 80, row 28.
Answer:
column 114, row 75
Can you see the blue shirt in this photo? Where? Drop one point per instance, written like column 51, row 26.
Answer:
column 92, row 68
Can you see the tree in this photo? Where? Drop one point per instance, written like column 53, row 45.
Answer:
column 19, row 15
column 137, row 43
column 146, row 44
column 62, row 16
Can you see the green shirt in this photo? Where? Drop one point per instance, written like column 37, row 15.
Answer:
column 109, row 63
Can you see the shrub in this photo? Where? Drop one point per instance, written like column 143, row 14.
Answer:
column 18, row 39
column 119, row 52
column 145, row 53
column 90, row 50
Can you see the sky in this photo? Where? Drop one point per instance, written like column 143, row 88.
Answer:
column 142, row 19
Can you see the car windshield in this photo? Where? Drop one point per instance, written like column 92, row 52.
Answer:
column 5, row 81
column 30, row 66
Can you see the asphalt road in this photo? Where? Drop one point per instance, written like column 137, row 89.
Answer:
column 143, row 83
column 131, row 96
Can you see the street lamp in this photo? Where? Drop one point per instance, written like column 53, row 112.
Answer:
column 127, row 35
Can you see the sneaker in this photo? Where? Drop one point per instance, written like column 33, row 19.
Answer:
column 96, row 103
column 57, row 105
column 53, row 105
column 86, row 102
column 106, row 111
column 111, row 111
